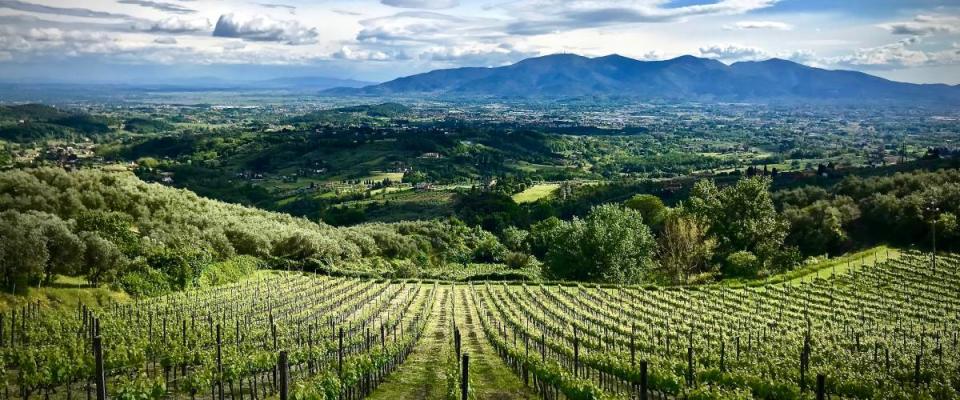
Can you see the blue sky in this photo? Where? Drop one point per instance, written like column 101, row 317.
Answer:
column 166, row 40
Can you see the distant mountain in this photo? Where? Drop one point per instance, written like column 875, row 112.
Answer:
column 681, row 78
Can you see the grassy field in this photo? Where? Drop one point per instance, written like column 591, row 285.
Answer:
column 536, row 192
column 64, row 293
column 378, row 176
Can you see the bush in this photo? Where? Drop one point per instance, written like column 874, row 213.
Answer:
column 517, row 260
column 405, row 269
column 742, row 264
column 145, row 282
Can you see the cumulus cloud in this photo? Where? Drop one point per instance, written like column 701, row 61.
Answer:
column 425, row 27
column 70, row 12
column 772, row 25
column 652, row 55
column 59, row 42
column 165, row 40
column 180, row 25
column 59, row 35
column 346, row 53
column 477, row 54
column 897, row 55
column 733, row 52
column 158, row 5
column 923, row 25
column 423, row 4
column 264, row 29
column 802, row 56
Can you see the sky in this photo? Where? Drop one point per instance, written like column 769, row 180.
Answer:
column 170, row 41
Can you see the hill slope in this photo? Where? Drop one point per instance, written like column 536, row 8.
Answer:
column 681, row 78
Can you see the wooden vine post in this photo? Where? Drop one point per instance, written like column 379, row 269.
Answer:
column 340, row 352
column 465, row 377
column 284, row 367
column 219, row 363
column 644, row 380
column 100, row 377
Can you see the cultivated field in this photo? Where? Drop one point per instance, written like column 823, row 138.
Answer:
column 882, row 330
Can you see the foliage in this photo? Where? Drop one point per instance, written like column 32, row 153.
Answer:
column 125, row 225
column 741, row 217
column 821, row 227
column 650, row 207
column 611, row 244
column 684, row 247
column 742, row 263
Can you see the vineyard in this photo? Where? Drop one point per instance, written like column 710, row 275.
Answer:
column 888, row 330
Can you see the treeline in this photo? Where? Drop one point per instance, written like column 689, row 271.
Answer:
column 902, row 209
column 147, row 238
column 739, row 229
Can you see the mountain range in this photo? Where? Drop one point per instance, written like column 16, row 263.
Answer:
column 685, row 78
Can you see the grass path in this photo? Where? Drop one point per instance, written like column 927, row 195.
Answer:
column 421, row 376
column 490, row 378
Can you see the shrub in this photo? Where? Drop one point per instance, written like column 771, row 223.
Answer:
column 742, row 264
column 145, row 282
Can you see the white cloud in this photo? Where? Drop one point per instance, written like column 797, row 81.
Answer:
column 346, row 53
column 422, row 4
column 897, row 55
column 733, row 52
column 773, row 25
column 541, row 17
column 476, row 54
column 180, row 25
column 807, row 57
column 264, row 29
column 923, row 25
column 652, row 55
column 161, row 6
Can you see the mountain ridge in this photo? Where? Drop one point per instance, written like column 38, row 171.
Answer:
column 681, row 78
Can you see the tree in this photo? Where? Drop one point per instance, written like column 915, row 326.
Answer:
column 65, row 249
column 493, row 211
column 102, row 259
column 544, row 234
column 23, row 250
column 113, row 226
column 248, row 243
column 685, row 248
column 650, row 207
column 821, row 227
column 741, row 217
column 516, row 239
column 611, row 244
